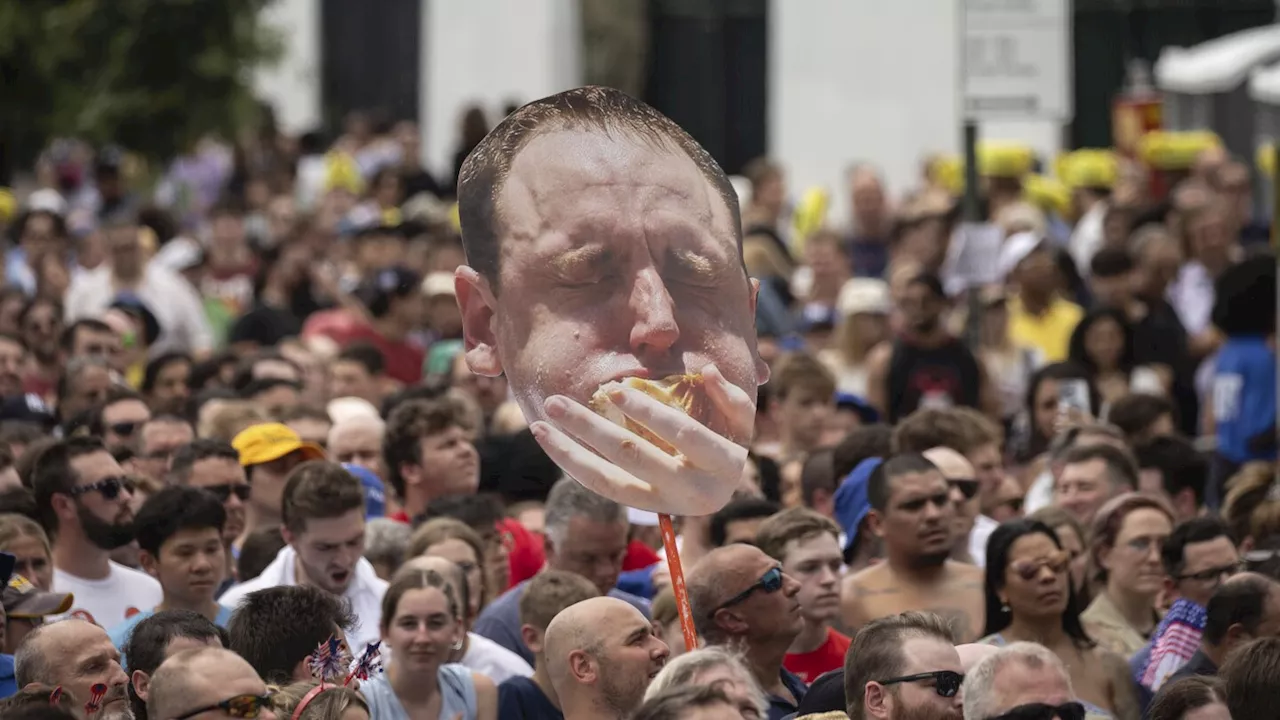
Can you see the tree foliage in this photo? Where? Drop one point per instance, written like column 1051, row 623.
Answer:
column 149, row 75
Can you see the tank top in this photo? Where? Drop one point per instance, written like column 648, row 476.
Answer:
column 941, row 377
column 457, row 695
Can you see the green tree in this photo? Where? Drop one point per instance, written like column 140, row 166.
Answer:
column 149, row 75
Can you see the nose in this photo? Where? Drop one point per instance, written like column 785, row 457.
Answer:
column 117, row 675
column 233, row 501
column 789, row 585
column 655, row 329
column 957, row 497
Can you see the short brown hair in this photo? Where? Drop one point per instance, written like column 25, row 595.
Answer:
column 1122, row 468
column 1180, row 697
column 802, row 370
column 412, row 421
column 549, row 593
column 876, row 653
column 797, row 523
column 319, row 490
column 961, row 429
column 483, row 175
column 1251, row 679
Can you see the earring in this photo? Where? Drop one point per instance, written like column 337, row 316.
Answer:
column 1004, row 607
column 458, row 645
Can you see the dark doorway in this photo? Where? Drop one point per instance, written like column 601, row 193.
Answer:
column 371, row 58
column 707, row 71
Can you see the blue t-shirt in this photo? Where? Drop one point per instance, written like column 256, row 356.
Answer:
column 1244, row 397
column 522, row 699
column 120, row 633
column 500, row 622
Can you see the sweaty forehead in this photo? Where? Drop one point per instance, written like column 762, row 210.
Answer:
column 915, row 484
column 561, row 176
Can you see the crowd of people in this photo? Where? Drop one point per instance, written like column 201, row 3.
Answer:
column 247, row 471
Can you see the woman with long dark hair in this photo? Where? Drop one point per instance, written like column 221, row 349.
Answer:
column 1030, row 598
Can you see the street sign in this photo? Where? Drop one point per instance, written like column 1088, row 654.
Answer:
column 1016, row 59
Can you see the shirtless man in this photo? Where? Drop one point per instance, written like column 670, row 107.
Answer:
column 913, row 514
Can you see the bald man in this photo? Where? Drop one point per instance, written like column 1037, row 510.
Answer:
column 741, row 599
column 77, row 655
column 358, row 441
column 601, row 655
column 200, row 681
column 962, row 479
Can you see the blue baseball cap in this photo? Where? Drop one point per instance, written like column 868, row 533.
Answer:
column 375, row 493
column 849, row 401
column 851, row 502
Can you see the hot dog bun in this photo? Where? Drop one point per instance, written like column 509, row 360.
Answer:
column 682, row 392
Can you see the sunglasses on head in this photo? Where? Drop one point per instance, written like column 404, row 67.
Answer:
column 945, row 682
column 1058, row 562
column 240, row 706
column 225, row 491
column 1040, row 711
column 108, row 487
column 967, row 486
column 770, row 582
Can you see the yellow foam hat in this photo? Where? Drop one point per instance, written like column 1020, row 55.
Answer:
column 810, row 213
column 1048, row 194
column 455, row 221
column 1004, row 159
column 342, row 173
column 1265, row 159
column 391, row 217
column 1172, row 150
column 1088, row 168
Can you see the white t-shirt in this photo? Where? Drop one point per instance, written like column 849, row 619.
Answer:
column 491, row 659
column 123, row 593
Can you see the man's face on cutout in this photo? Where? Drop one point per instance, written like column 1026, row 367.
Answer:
column 617, row 259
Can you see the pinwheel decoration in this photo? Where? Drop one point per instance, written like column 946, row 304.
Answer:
column 329, row 660
column 370, row 663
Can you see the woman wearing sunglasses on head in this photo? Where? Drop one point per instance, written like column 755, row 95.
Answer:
column 1030, row 598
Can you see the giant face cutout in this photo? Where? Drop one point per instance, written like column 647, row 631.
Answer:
column 603, row 262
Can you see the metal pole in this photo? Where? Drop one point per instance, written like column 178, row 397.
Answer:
column 972, row 214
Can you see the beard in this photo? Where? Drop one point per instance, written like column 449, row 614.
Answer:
column 927, row 711
column 931, row 560
column 926, row 325
column 105, row 535
column 620, row 690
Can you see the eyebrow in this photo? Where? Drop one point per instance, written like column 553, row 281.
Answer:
column 639, row 633
column 592, row 255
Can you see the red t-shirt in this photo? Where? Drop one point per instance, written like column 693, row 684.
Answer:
column 829, row 656
column 526, row 553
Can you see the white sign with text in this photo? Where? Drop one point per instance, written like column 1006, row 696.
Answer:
column 1016, row 59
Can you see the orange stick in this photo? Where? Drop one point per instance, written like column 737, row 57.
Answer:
column 677, row 582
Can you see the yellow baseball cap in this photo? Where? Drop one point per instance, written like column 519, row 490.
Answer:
column 271, row 441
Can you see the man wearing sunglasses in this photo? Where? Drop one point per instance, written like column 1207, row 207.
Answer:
column 209, row 684
column 214, row 466
column 904, row 667
column 741, row 599
column 85, row 500
column 913, row 512
column 1245, row 608
column 964, row 495
column 1021, row 681
column 120, row 417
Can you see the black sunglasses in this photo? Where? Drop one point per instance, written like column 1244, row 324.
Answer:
column 124, row 429
column 1040, row 711
column 1212, row 574
column 967, row 486
column 225, row 491
column 240, row 706
column 770, row 582
column 109, row 487
column 945, row 682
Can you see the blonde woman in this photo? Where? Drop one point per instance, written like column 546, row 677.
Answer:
column 862, row 322
column 23, row 538
column 315, row 700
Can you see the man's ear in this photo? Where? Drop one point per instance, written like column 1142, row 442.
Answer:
column 532, row 638
column 287, row 535
column 1185, row 502
column 141, row 684
column 478, row 306
column 1171, row 588
column 730, row 622
column 875, row 523
column 824, row 502
column 149, row 563
column 583, row 667
column 762, row 367
column 876, row 702
column 301, row 671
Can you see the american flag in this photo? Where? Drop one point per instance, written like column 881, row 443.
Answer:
column 370, row 662
column 329, row 660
